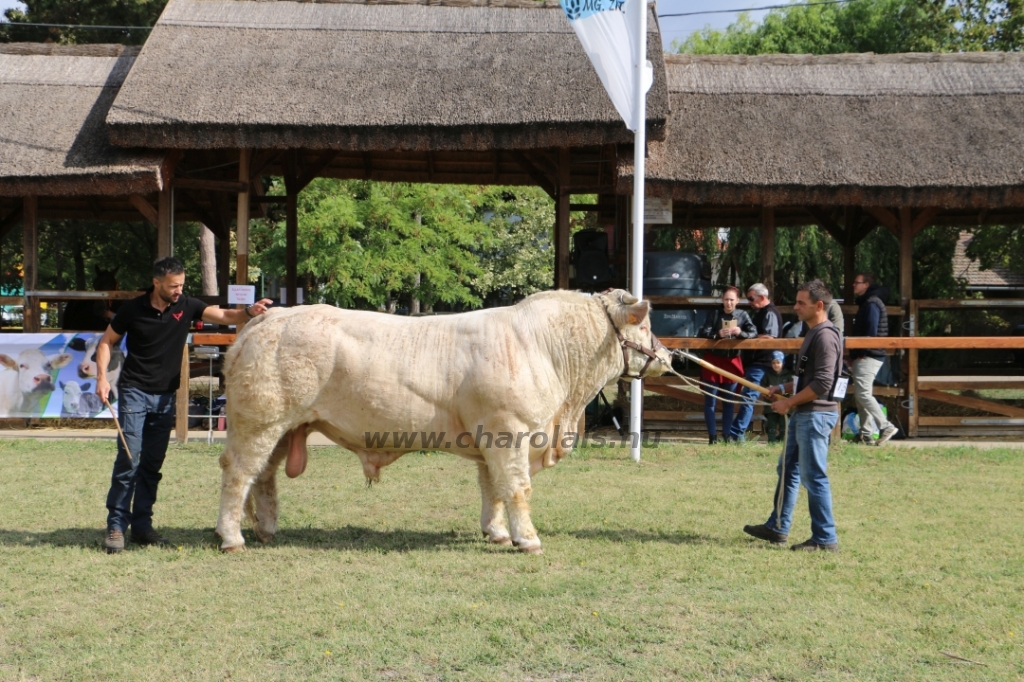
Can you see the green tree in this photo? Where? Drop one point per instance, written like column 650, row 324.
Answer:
column 81, row 12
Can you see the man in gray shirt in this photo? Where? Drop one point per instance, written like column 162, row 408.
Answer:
column 815, row 413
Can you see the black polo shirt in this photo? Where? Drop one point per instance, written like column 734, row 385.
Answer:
column 156, row 341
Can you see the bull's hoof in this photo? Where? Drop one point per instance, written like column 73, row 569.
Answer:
column 535, row 550
column 503, row 540
column 233, row 550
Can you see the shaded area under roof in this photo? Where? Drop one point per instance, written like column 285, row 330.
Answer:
column 944, row 130
column 53, row 103
column 457, row 75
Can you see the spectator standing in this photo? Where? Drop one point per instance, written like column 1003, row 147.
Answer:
column 768, row 322
column 726, row 322
column 873, row 321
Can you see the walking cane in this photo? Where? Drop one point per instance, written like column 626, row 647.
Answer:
column 124, row 441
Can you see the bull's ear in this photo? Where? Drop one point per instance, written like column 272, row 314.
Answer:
column 7, row 361
column 60, row 360
column 77, row 343
column 85, row 386
column 61, row 384
column 636, row 313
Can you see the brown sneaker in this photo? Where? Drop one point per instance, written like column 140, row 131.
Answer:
column 812, row 546
column 763, row 532
column 113, row 541
column 149, row 537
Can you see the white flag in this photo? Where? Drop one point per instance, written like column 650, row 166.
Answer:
column 608, row 32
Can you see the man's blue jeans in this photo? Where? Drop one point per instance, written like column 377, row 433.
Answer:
column 806, row 461
column 745, row 414
column 710, row 400
column 147, row 420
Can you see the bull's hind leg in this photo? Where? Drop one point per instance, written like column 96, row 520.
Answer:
column 510, row 477
column 264, row 494
column 492, row 513
column 243, row 459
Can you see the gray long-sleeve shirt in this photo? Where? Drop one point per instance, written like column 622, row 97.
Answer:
column 818, row 365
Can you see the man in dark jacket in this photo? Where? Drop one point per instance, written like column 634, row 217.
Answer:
column 756, row 363
column 871, row 320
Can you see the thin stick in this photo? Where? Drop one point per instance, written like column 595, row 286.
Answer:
column 961, row 658
column 728, row 375
column 124, row 441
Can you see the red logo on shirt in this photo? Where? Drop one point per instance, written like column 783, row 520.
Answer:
column 177, row 315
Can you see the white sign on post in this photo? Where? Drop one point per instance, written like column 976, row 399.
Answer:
column 284, row 295
column 241, row 294
column 657, row 211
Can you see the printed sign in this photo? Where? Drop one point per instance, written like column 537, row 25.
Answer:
column 657, row 211
column 54, row 376
column 241, row 294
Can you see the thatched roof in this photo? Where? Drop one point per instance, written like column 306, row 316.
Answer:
column 999, row 278
column 352, row 75
column 53, row 102
column 890, row 130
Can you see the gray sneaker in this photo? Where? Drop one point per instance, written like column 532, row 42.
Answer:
column 887, row 433
column 113, row 541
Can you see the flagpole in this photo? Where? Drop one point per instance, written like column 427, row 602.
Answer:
column 636, row 402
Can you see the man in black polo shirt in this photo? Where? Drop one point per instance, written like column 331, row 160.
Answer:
column 157, row 324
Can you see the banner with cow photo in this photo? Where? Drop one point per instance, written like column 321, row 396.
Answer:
column 54, row 375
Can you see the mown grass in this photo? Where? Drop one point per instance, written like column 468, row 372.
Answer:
column 646, row 574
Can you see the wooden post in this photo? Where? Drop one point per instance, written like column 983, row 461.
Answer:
column 242, row 221
column 164, row 238
column 223, row 267
column 906, row 257
column 242, row 226
column 291, row 226
column 768, row 248
column 181, row 402
column 914, row 405
column 30, row 232
column 562, row 221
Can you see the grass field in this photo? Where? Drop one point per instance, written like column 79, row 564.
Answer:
column 646, row 574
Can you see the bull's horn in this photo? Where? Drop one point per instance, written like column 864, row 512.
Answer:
column 629, row 299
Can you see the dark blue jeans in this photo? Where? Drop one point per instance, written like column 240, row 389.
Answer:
column 147, row 420
column 806, row 461
column 745, row 414
column 710, row 399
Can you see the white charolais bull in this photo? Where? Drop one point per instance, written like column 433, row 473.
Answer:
column 523, row 370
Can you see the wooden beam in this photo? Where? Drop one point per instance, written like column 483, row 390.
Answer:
column 242, row 220
column 181, row 402
column 164, row 234
column 144, row 207
column 849, row 271
column 885, row 217
column 768, row 248
column 562, row 222
column 223, row 266
column 312, row 171
column 856, row 342
column 10, row 220
column 973, row 403
column 924, row 219
column 229, row 186
column 205, row 217
column 536, row 174
column 30, row 262
column 825, row 222
column 259, row 162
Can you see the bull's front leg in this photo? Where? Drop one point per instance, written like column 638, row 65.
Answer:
column 510, row 478
column 243, row 459
column 492, row 512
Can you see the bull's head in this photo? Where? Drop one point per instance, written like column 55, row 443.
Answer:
column 35, row 369
column 643, row 354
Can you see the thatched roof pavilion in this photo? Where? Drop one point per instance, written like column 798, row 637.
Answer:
column 848, row 142
column 53, row 102
column 352, row 75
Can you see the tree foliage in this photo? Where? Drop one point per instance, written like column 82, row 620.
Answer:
column 81, row 12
